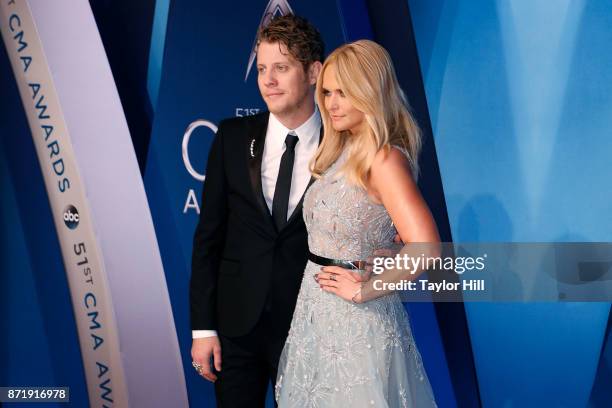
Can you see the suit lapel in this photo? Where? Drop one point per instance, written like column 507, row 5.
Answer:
column 255, row 147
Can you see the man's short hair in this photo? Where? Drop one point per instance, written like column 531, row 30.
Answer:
column 302, row 39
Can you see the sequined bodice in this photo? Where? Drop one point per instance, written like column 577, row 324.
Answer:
column 342, row 221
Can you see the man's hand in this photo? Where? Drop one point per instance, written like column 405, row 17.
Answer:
column 201, row 352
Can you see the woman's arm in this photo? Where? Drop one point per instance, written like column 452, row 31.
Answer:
column 392, row 184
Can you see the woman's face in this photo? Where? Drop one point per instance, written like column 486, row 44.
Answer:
column 344, row 116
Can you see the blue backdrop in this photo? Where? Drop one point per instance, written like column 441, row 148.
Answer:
column 515, row 97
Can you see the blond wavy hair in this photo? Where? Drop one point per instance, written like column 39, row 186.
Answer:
column 365, row 74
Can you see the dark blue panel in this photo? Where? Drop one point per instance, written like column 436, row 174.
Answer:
column 125, row 29
column 355, row 20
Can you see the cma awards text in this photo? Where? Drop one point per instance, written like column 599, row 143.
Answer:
column 191, row 202
column 96, row 322
column 40, row 104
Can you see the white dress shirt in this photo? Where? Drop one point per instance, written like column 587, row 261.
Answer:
column 308, row 134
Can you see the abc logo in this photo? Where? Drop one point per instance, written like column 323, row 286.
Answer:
column 71, row 217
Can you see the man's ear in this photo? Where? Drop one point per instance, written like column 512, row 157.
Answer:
column 313, row 72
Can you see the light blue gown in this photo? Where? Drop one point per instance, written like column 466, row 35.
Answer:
column 339, row 354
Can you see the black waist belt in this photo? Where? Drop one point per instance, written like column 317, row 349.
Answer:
column 321, row 260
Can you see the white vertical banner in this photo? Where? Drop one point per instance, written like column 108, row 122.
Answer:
column 122, row 310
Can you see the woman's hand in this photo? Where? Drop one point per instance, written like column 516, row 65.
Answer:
column 341, row 282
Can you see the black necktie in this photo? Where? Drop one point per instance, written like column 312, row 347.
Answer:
column 283, row 183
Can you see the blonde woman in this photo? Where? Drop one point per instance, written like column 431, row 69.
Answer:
column 350, row 345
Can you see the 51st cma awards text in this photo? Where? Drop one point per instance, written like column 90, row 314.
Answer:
column 426, row 285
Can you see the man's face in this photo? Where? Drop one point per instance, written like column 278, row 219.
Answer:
column 283, row 84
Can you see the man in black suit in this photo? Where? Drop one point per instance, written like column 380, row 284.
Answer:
column 250, row 245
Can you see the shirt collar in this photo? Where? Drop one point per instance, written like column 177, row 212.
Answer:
column 306, row 132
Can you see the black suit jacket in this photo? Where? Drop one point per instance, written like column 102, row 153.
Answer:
column 241, row 264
